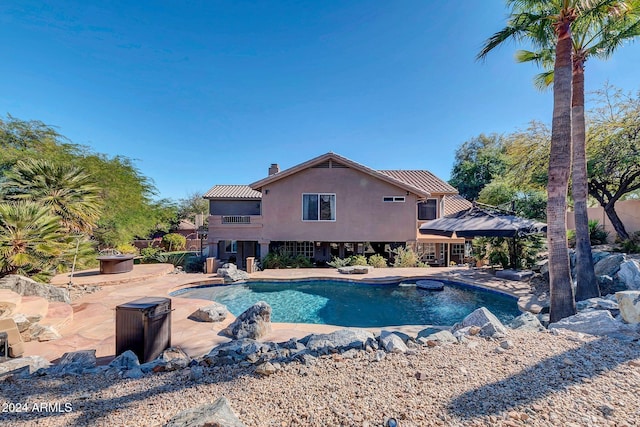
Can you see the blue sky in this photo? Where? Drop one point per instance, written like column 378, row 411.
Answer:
column 212, row 92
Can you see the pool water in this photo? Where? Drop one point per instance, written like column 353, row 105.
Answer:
column 356, row 304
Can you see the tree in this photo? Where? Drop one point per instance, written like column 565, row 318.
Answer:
column 614, row 152
column 29, row 239
column 65, row 189
column 595, row 34
column 530, row 20
column 191, row 206
column 477, row 162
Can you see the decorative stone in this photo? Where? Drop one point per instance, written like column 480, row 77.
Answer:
column 596, row 304
column 609, row 265
column 174, row 358
column 438, row 338
column 392, row 343
column 254, row 323
column 527, row 321
column 514, row 275
column 218, row 413
column 215, row 312
column 340, row 340
column 595, row 322
column 231, row 274
column 28, row 287
column 629, row 303
column 629, row 274
column 75, row 362
column 266, row 369
column 534, row 304
column 22, row 322
column 126, row 361
column 430, row 285
column 32, row 364
column 487, row 321
column 355, row 269
column 44, row 333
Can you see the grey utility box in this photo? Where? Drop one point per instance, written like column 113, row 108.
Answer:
column 144, row 327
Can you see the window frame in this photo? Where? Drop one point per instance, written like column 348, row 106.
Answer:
column 393, row 199
column 424, row 202
column 334, row 210
column 231, row 244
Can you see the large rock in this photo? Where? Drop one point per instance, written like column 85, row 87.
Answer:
column 629, row 304
column 609, row 265
column 27, row 287
column 125, row 361
column 215, row 312
column 483, row 318
column 340, row 340
column 392, row 342
column 629, row 274
column 32, row 364
column 237, row 351
column 231, row 274
column 527, row 321
column 75, row 362
column 595, row 322
column 438, row 338
column 43, row 333
column 174, row 358
column 216, row 414
column 254, row 323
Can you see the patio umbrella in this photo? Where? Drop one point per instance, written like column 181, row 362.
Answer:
column 482, row 222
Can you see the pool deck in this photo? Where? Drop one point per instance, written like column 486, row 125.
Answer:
column 92, row 325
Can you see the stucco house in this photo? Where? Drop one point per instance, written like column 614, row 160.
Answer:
column 332, row 206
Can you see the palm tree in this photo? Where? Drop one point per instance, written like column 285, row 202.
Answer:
column 530, row 20
column 66, row 190
column 29, row 239
column 597, row 34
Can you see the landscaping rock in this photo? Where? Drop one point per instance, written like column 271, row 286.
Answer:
column 609, row 265
column 216, row 414
column 594, row 322
column 266, row 369
column 75, row 362
column 392, row 343
column 254, row 323
column 231, row 274
column 174, row 358
column 438, row 338
column 515, row 275
column 28, row 287
column 355, row 269
column 608, row 286
column 126, row 361
column 629, row 303
column 237, row 351
column 597, row 304
column 215, row 312
column 43, row 333
column 33, row 363
column 527, row 321
column 629, row 274
column 341, row 340
column 487, row 321
column 534, row 303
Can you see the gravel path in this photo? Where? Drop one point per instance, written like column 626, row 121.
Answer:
column 543, row 380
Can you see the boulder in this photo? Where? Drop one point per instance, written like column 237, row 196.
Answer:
column 174, row 358
column 237, row 351
column 218, row 413
column 126, row 361
column 27, row 287
column 629, row 303
column 392, row 342
column 596, row 256
column 597, row 304
column 355, row 269
column 527, row 321
column 534, row 303
column 594, row 322
column 75, row 363
column 609, row 265
column 254, row 323
column 441, row 337
column 629, row 274
column 43, row 333
column 340, row 340
column 215, row 312
column 515, row 275
column 231, row 274
column 266, row 369
column 608, row 286
column 487, row 321
column 31, row 363
column 24, row 322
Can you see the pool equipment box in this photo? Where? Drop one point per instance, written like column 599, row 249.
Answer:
column 144, row 327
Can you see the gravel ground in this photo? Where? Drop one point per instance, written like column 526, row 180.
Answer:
column 542, row 380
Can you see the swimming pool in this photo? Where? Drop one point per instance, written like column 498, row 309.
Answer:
column 358, row 304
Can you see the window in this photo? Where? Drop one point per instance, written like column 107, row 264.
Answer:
column 231, row 246
column 457, row 249
column 318, row 207
column 393, row 199
column 299, row 248
column 426, row 251
column 428, row 209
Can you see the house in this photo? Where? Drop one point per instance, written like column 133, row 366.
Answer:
column 332, row 206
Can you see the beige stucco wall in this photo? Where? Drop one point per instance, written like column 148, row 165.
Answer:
column 628, row 211
column 361, row 215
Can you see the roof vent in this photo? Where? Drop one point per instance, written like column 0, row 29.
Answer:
column 273, row 169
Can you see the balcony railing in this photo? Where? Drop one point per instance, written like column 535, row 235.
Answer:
column 236, row 219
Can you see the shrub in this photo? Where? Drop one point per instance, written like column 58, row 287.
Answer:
column 174, row 242
column 281, row 259
column 377, row 261
column 405, row 257
column 338, row 262
column 149, row 255
column 127, row 248
column 597, row 235
column 357, row 260
column 632, row 244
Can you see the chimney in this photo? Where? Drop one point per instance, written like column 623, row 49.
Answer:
column 274, row 168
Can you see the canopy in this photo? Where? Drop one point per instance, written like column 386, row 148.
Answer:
column 477, row 221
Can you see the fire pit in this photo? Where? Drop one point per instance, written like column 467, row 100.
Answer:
column 114, row 264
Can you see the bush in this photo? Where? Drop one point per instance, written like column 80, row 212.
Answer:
column 174, row 242
column 127, row 248
column 149, row 255
column 405, row 257
column 338, row 262
column 281, row 259
column 377, row 261
column 597, row 235
column 357, row 260
column 632, row 244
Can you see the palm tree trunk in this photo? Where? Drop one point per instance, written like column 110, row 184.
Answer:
column 587, row 285
column 561, row 292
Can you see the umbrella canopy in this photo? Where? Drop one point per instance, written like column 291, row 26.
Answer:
column 477, row 222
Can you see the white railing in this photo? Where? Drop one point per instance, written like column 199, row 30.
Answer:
column 236, row 219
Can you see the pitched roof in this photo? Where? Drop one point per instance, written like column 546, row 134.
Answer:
column 422, row 179
column 232, row 192
column 342, row 161
column 455, row 203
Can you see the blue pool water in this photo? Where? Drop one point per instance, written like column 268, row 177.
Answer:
column 355, row 304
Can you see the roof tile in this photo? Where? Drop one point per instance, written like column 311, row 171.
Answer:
column 232, row 192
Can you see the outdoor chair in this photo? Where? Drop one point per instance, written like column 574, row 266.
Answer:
column 14, row 340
